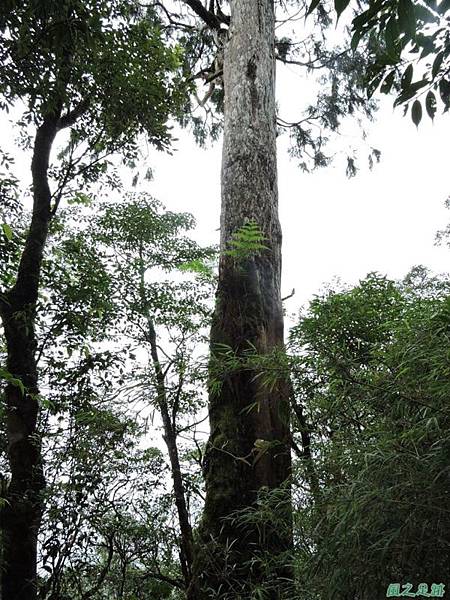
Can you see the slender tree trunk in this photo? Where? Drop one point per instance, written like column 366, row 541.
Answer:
column 248, row 316
column 306, row 456
column 21, row 516
column 170, row 438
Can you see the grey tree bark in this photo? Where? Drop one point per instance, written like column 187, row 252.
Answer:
column 248, row 315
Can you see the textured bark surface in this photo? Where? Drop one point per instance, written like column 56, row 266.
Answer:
column 21, row 515
column 248, row 311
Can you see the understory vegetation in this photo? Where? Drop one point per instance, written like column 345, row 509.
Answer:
column 369, row 367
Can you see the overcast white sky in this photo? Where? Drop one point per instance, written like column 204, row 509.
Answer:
column 384, row 220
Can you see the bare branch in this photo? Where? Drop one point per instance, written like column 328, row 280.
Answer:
column 208, row 17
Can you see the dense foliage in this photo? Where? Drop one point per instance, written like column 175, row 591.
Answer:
column 372, row 375
column 109, row 522
column 370, row 385
column 408, row 43
column 98, row 59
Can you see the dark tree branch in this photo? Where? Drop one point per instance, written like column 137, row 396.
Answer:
column 27, row 282
column 311, row 64
column 305, row 453
column 289, row 295
column 207, row 17
column 103, row 573
column 72, row 116
column 175, row 582
column 170, row 17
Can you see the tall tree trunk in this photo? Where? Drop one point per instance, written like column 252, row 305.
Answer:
column 248, row 316
column 21, row 515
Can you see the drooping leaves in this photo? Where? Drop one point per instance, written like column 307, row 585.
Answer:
column 314, row 4
column 416, row 112
column 397, row 30
column 340, row 6
column 430, row 104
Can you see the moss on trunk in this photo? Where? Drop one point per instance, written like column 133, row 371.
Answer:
column 248, row 316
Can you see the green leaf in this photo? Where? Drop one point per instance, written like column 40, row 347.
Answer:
column 391, row 36
column 430, row 104
column 424, row 14
column 365, row 19
column 444, row 6
column 407, row 17
column 360, row 21
column 312, row 7
column 444, row 92
column 416, row 112
column 246, row 241
column 437, row 64
column 80, row 199
column 196, row 266
column 411, row 91
column 7, row 231
column 387, row 83
column 407, row 77
column 6, row 375
column 356, row 38
column 340, row 6
column 424, row 42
